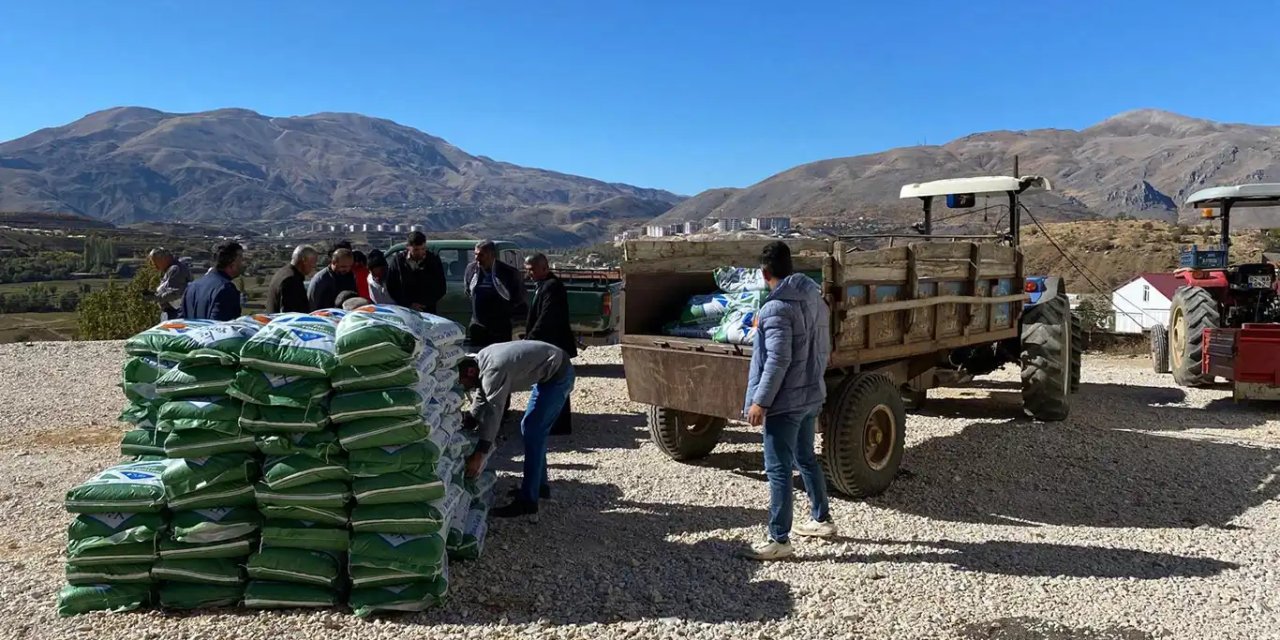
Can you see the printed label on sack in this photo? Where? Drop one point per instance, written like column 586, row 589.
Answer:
column 199, row 462
column 215, row 514
column 275, row 381
column 397, row 539
column 393, row 448
column 398, row 589
column 113, row 520
column 145, row 473
column 199, row 404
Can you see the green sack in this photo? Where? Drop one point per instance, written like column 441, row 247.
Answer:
column 303, row 566
column 377, row 403
column 467, row 542
column 141, row 414
column 88, row 555
column 299, row 534
column 407, row 518
column 421, row 486
column 170, row 340
column 321, row 445
column 139, row 573
column 377, row 334
column 186, row 475
column 283, row 595
column 138, row 377
column 107, row 529
column 414, row 596
column 130, row 487
column 382, row 432
column 221, row 343
column 202, row 443
column 219, row 495
column 262, row 419
column 190, row 380
column 393, row 459
column 214, row 413
column 403, row 552
column 375, row 376
column 215, row 524
column 293, row 344
column 142, row 442
column 74, row 600
column 277, row 390
column 329, row 494
column 225, row 571
column 366, row 577
column 186, row 595
column 330, row 517
column 300, row 470
column 239, row 548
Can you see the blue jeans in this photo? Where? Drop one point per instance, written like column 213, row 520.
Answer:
column 545, row 402
column 788, row 444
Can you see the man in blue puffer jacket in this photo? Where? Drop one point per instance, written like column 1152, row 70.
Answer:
column 785, row 393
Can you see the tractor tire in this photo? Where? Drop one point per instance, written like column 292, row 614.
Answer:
column 862, row 430
column 1194, row 309
column 1077, row 351
column 683, row 435
column 1046, row 360
column 1160, row 349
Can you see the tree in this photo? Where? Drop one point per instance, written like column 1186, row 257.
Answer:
column 1094, row 312
column 119, row 311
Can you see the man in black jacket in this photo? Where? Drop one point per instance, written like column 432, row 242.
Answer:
column 288, row 290
column 497, row 294
column 415, row 276
column 323, row 291
column 548, row 321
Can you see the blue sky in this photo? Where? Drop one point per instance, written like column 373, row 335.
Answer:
column 679, row 95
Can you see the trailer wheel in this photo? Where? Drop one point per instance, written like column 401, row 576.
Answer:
column 1194, row 310
column 1077, row 351
column 1046, row 360
column 863, row 426
column 683, row 435
column 1160, row 349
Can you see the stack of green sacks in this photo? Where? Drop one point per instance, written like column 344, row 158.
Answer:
column 305, row 488
column 138, row 380
column 111, row 544
column 213, row 465
column 389, row 421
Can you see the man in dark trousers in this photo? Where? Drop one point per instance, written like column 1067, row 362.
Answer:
column 415, row 276
column 497, row 294
column 323, row 291
column 288, row 289
column 548, row 321
column 214, row 296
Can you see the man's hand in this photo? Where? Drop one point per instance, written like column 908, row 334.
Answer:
column 755, row 415
column 475, row 464
column 419, row 307
column 469, row 422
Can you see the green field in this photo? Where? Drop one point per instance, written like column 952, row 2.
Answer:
column 22, row 327
column 62, row 285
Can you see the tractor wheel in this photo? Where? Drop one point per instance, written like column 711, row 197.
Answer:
column 863, row 428
column 1046, row 360
column 683, row 435
column 1194, row 310
column 1160, row 349
column 1077, row 351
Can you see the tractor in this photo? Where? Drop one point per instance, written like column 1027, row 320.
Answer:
column 1225, row 320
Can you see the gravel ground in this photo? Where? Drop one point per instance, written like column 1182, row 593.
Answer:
column 1152, row 513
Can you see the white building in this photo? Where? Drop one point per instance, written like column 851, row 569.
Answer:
column 690, row 228
column 401, row 228
column 728, row 225
column 771, row 224
column 1143, row 302
column 656, row 231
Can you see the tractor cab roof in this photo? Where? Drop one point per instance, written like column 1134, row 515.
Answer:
column 1266, row 194
column 978, row 186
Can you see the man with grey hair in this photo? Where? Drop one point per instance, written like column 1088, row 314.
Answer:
column 497, row 294
column 174, row 278
column 288, row 291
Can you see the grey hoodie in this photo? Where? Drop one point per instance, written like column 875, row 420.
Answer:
column 791, row 349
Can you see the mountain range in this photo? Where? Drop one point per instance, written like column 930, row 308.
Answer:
column 132, row 164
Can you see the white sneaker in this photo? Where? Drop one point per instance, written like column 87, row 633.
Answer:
column 770, row 550
column 815, row 529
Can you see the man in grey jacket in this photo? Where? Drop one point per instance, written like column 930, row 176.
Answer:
column 785, row 392
column 498, row 371
column 174, row 278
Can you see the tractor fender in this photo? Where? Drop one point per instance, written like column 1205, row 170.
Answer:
column 1053, row 287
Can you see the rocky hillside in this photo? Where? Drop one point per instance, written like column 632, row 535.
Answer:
column 1140, row 164
column 133, row 164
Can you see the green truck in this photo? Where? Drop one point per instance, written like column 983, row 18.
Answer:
column 595, row 296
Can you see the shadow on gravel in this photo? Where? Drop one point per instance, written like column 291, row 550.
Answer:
column 1041, row 559
column 1027, row 628
column 595, row 556
column 604, row 370
column 591, row 432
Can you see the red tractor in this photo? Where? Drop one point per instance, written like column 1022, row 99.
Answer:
column 1225, row 321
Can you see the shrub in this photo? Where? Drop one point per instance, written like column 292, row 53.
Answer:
column 119, row 310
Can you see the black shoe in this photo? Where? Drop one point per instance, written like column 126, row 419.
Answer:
column 516, row 509
column 544, row 494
